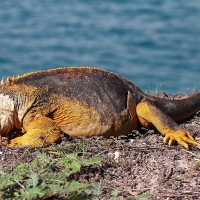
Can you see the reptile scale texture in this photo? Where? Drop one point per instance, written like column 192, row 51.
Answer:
column 36, row 108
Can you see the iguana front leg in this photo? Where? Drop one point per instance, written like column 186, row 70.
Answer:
column 41, row 132
column 149, row 114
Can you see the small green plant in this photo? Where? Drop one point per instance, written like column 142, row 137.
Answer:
column 114, row 194
column 198, row 163
column 148, row 90
column 168, row 183
column 198, row 156
column 46, row 176
column 97, row 191
column 50, row 175
column 141, row 197
column 158, row 88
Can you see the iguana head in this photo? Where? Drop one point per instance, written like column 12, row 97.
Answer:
column 6, row 114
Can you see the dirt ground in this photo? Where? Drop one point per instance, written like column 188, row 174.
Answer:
column 136, row 164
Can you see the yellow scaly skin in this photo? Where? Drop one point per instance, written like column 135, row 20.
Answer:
column 85, row 101
column 149, row 114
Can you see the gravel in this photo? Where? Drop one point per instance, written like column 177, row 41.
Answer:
column 133, row 165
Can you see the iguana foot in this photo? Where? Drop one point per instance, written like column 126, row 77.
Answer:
column 181, row 137
column 149, row 114
column 40, row 133
column 33, row 138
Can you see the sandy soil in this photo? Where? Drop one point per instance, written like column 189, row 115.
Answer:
column 136, row 164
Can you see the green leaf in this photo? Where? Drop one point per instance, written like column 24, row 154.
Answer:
column 16, row 194
column 198, row 164
column 34, row 177
column 142, row 197
column 97, row 191
column 74, row 186
column 75, row 166
column 198, row 155
column 21, row 167
column 72, row 156
column 35, row 192
column 114, row 193
column 92, row 161
column 43, row 157
column 67, row 172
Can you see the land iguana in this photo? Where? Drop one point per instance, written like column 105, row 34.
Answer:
column 86, row 101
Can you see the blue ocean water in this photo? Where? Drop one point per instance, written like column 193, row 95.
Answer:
column 155, row 44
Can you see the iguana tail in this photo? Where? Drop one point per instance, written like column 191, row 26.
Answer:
column 179, row 109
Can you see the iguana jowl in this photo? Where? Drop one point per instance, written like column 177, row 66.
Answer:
column 85, row 101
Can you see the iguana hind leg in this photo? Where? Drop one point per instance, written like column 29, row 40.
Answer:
column 41, row 132
column 149, row 114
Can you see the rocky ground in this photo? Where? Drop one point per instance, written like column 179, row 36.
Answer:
column 137, row 164
column 133, row 165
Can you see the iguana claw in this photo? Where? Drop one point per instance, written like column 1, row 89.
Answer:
column 181, row 137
